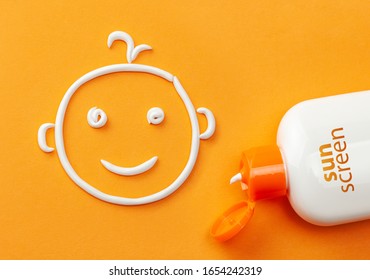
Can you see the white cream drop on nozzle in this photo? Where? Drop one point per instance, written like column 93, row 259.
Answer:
column 238, row 178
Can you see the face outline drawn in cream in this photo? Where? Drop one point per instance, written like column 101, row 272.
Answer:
column 97, row 118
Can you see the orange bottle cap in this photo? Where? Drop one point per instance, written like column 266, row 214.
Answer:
column 263, row 172
column 232, row 221
column 262, row 176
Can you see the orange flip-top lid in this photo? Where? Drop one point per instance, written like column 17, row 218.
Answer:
column 232, row 221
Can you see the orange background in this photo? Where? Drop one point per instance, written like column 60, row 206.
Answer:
column 248, row 61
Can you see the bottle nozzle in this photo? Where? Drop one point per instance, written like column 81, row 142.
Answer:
column 262, row 173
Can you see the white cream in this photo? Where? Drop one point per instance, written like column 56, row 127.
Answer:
column 236, row 178
column 132, row 51
column 130, row 171
column 211, row 123
column 41, row 137
column 155, row 115
column 97, row 118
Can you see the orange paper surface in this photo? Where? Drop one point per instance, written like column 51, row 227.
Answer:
column 247, row 61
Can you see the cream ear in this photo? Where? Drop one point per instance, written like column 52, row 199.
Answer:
column 211, row 123
column 41, row 137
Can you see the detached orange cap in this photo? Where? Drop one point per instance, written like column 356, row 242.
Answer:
column 262, row 175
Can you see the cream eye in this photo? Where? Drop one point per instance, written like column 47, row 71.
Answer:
column 155, row 115
column 96, row 117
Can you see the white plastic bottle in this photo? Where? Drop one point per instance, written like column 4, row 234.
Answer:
column 321, row 162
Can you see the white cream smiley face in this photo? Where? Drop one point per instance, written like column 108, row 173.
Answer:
column 97, row 118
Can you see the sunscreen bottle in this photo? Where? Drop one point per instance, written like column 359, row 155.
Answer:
column 321, row 163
